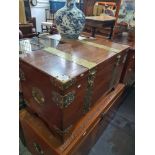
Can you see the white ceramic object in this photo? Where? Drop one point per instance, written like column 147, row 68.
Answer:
column 70, row 20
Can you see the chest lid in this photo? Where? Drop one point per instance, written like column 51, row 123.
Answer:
column 65, row 60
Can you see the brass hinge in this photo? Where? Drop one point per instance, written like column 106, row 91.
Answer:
column 89, row 91
column 63, row 132
column 63, row 101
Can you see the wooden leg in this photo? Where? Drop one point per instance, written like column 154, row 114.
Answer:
column 42, row 28
column 93, row 31
column 46, row 28
column 53, row 17
column 111, row 31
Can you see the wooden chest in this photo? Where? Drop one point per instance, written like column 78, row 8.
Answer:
column 40, row 141
column 64, row 79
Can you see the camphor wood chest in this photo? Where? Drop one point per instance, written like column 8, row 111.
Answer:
column 40, row 141
column 61, row 81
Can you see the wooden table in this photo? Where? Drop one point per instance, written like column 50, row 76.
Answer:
column 100, row 22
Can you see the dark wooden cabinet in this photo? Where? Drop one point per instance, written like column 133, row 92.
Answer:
column 40, row 140
column 28, row 30
column 128, row 74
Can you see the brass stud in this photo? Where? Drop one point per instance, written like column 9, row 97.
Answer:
column 79, row 86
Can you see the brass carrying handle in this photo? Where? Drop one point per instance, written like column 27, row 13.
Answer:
column 38, row 148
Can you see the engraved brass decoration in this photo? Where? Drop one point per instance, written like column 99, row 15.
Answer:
column 38, row 148
column 63, row 132
column 38, row 95
column 63, row 101
column 63, row 85
column 21, row 74
column 68, row 83
column 89, row 91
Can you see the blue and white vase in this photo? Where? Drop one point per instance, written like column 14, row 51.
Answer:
column 70, row 20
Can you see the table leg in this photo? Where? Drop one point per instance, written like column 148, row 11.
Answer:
column 93, row 32
column 111, row 31
column 46, row 28
column 53, row 18
column 42, row 28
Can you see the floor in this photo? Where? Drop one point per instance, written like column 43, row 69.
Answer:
column 119, row 137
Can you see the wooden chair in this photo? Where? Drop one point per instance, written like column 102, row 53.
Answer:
column 47, row 25
column 29, row 29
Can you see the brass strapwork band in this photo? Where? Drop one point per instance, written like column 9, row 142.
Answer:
column 89, row 91
column 70, row 57
column 100, row 46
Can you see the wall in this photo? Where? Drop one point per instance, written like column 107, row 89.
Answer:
column 38, row 11
column 22, row 17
